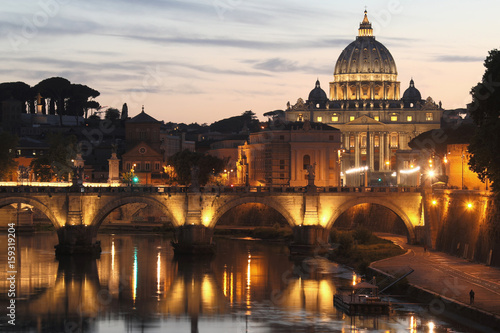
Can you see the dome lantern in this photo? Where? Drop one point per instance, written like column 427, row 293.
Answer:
column 365, row 27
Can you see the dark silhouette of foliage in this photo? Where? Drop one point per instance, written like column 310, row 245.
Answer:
column 77, row 103
column 124, row 115
column 183, row 162
column 57, row 162
column 485, row 112
column 8, row 165
column 19, row 91
column 112, row 114
column 235, row 124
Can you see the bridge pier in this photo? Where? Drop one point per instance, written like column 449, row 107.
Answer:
column 195, row 239
column 77, row 239
column 310, row 240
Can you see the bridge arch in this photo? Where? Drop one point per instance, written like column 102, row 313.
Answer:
column 35, row 203
column 378, row 201
column 267, row 201
column 116, row 203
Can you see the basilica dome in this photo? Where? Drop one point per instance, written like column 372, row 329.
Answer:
column 411, row 95
column 317, row 96
column 365, row 69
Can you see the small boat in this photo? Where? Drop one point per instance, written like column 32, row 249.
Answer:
column 361, row 298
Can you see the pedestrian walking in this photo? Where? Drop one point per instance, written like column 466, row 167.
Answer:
column 471, row 296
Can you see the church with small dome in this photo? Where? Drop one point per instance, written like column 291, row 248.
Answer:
column 365, row 104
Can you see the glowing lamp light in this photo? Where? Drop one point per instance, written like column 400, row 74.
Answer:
column 432, row 173
column 469, row 205
column 434, row 202
column 135, row 179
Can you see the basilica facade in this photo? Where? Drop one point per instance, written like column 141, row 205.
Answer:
column 375, row 122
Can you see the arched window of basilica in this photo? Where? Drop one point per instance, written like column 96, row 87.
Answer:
column 376, row 141
column 351, row 141
column 363, row 140
column 306, row 160
column 394, row 140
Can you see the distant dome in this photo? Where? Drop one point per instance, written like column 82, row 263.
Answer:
column 411, row 95
column 365, row 70
column 365, row 55
column 318, row 96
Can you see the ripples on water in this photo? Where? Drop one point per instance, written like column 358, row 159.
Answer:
column 138, row 286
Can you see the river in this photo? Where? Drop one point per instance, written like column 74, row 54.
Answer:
column 138, row 286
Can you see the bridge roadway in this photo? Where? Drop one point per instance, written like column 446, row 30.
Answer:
column 78, row 212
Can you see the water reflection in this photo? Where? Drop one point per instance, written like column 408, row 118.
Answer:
column 138, row 285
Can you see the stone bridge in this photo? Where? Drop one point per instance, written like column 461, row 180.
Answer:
column 77, row 213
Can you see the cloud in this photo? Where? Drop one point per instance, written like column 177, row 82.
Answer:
column 452, row 58
column 280, row 65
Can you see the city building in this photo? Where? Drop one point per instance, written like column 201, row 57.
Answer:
column 144, row 156
column 366, row 106
column 288, row 155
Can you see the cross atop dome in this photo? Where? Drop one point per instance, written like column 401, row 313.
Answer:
column 365, row 27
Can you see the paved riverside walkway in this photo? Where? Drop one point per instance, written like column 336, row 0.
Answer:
column 446, row 275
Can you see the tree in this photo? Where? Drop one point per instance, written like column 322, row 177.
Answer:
column 78, row 101
column 8, row 165
column 112, row 114
column 19, row 91
column 57, row 162
column 183, row 162
column 124, row 112
column 236, row 124
column 485, row 112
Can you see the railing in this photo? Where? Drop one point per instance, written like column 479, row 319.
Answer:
column 207, row 189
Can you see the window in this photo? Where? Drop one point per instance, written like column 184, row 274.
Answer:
column 363, row 140
column 394, row 118
column 394, row 140
column 282, row 164
column 306, row 160
column 137, row 166
column 376, row 141
column 142, row 135
column 282, row 137
column 377, row 118
column 335, row 119
column 128, row 166
column 147, row 166
column 331, row 138
column 409, row 118
column 300, row 117
column 428, row 116
column 282, row 176
column 351, row 118
column 319, row 119
column 157, row 166
column 351, row 141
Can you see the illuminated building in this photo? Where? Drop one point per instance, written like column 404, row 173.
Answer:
column 285, row 155
column 144, row 155
column 365, row 105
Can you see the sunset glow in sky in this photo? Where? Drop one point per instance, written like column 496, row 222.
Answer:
column 204, row 60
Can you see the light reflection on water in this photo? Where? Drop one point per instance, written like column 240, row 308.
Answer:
column 137, row 286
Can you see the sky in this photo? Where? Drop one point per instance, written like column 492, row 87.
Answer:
column 205, row 60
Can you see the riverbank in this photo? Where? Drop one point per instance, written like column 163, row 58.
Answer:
column 359, row 248
column 442, row 283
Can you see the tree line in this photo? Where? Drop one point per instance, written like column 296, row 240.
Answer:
column 53, row 96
